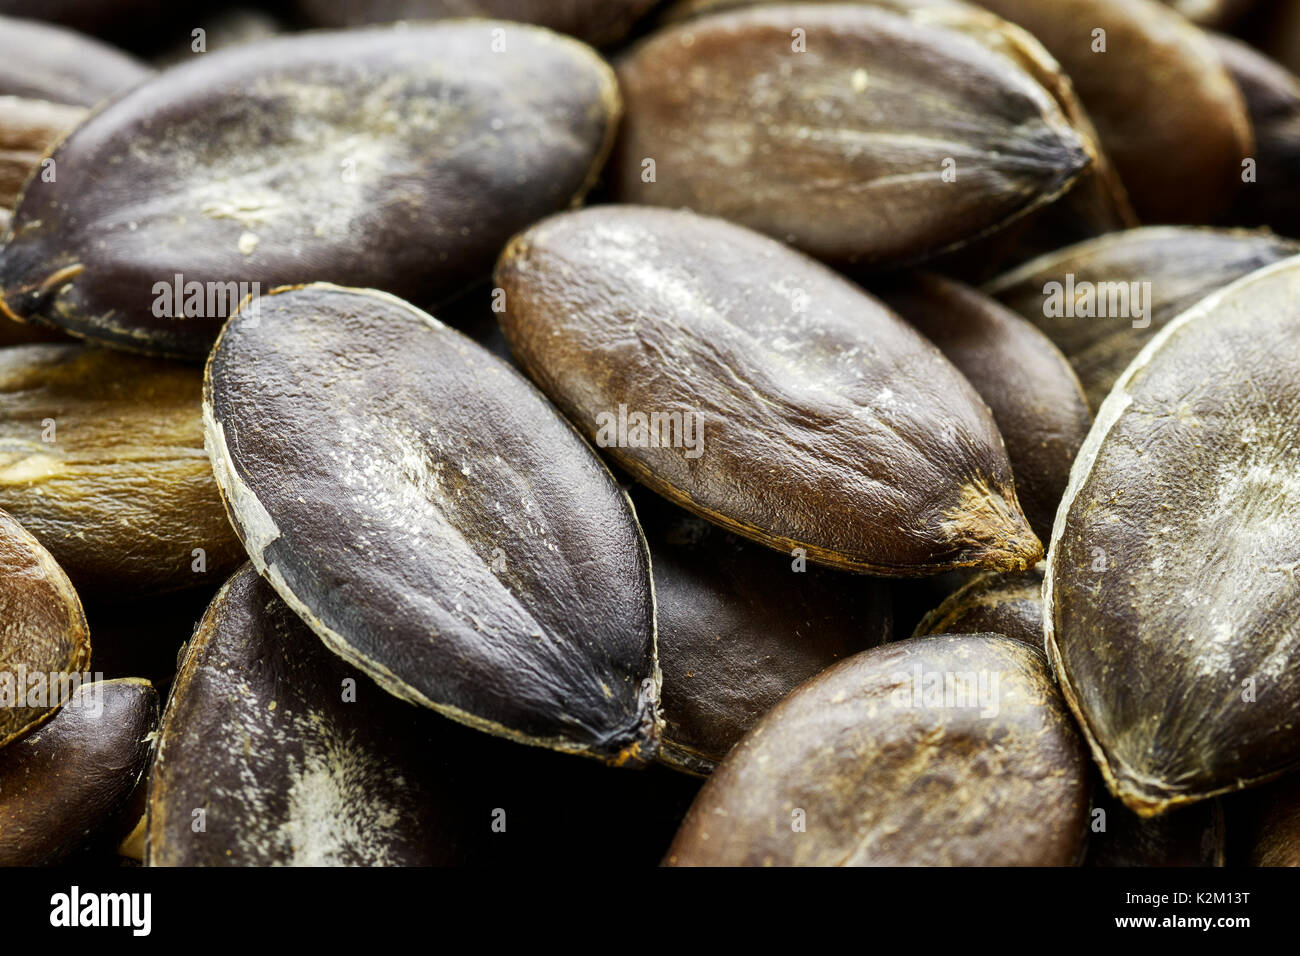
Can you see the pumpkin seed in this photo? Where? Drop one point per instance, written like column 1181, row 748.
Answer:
column 44, row 630
column 869, row 764
column 1192, row 836
column 739, row 627
column 787, row 405
column 864, row 150
column 599, row 22
column 288, row 758
column 60, row 784
column 434, row 521
column 1272, row 96
column 1212, row 13
column 101, row 458
column 1174, row 556
column 42, row 61
column 1152, row 83
column 1027, row 383
column 401, row 158
column 1101, row 301
column 1006, row 604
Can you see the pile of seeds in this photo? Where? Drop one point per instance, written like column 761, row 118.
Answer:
column 712, row 432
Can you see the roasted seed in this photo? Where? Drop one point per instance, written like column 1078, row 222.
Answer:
column 61, row 783
column 808, row 416
column 396, row 158
column 947, row 750
column 434, row 520
column 101, row 458
column 1035, row 397
column 293, row 757
column 1171, row 608
column 1101, row 301
column 43, row 631
column 863, row 150
column 740, row 626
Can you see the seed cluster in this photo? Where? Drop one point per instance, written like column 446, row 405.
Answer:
column 708, row 433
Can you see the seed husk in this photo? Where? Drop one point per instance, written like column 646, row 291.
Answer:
column 1272, row 95
column 1035, row 397
column 1006, row 604
column 295, row 757
column 740, row 626
column 599, row 22
column 1182, row 266
column 435, row 521
column 62, row 782
column 42, row 61
column 846, row 152
column 102, row 459
column 1158, row 86
column 394, row 158
column 822, row 420
column 1191, row 836
column 43, row 631
column 1173, row 558
column 879, row 781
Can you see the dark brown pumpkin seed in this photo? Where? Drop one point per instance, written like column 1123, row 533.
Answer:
column 1157, row 86
column 61, row 783
column 1171, row 608
column 42, row 61
column 1272, row 96
column 42, row 630
column 1092, row 312
column 102, row 459
column 1034, row 395
column 435, row 521
column 1192, row 836
column 740, row 626
column 89, row 15
column 599, row 22
column 947, row 750
column 808, row 415
column 992, row 603
column 286, row 755
column 860, row 150
column 394, row 158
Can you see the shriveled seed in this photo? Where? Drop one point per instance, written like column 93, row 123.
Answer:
column 1171, row 608
column 435, row 521
column 789, row 406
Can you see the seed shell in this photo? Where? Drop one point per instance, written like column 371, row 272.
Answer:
column 847, row 151
column 820, row 420
column 64, row 781
column 102, row 459
column 42, row 628
column 1006, row 604
column 1181, row 265
column 1171, row 611
column 394, row 158
column 434, row 520
column 864, row 766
